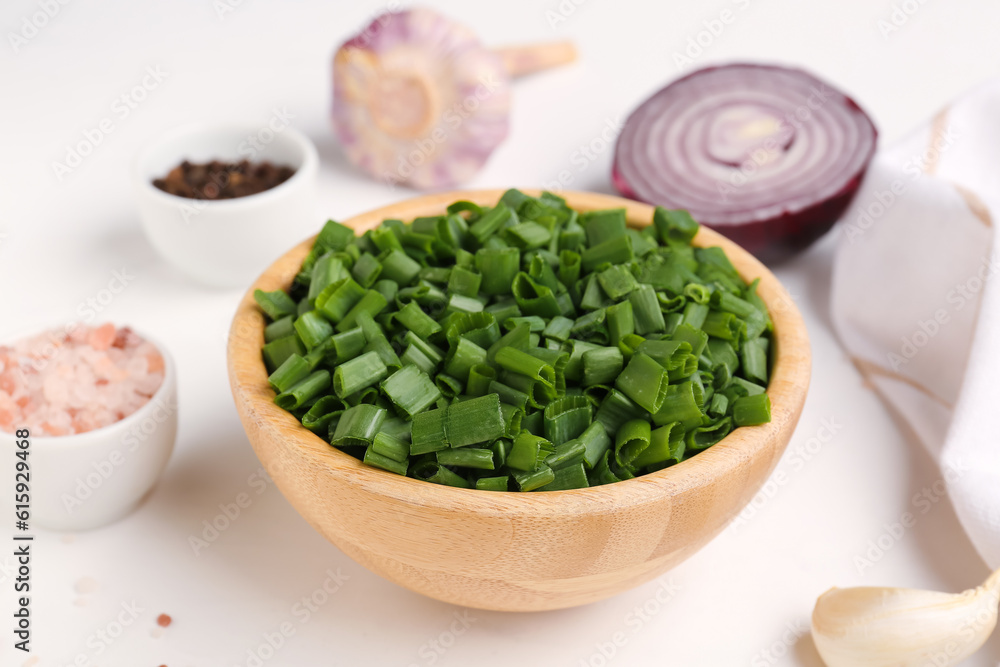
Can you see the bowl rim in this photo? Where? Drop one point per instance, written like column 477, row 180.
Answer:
column 303, row 172
column 787, row 388
column 99, row 436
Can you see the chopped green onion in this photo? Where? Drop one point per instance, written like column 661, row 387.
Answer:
column 410, row 390
column 358, row 426
column 752, row 410
column 358, row 373
column 304, row 390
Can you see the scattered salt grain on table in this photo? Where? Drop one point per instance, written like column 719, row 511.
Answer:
column 77, row 380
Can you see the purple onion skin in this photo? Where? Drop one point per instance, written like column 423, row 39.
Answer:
column 778, row 239
column 774, row 239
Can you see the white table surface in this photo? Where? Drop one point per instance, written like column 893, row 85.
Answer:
column 745, row 599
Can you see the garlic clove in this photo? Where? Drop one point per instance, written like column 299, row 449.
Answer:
column 898, row 627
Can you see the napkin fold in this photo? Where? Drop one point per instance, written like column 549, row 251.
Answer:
column 916, row 304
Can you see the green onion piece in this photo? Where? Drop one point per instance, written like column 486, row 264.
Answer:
column 603, row 225
column 666, row 448
column 390, row 446
column 448, row 386
column 567, row 418
column 536, row 479
column 276, row 304
column 417, row 321
column 528, row 451
column 719, row 405
column 747, row 388
column 464, row 281
column 387, row 288
column 671, row 304
column 358, row 373
column 679, row 405
column 602, row 473
column 427, row 434
column 338, row 299
column 574, row 367
column 503, row 309
column 385, row 239
column 498, row 266
column 357, row 426
column 592, row 294
column 327, row 270
column 614, row 251
column 725, row 326
column 568, row 477
column 435, row 274
column 703, row 437
column 480, row 459
column 479, row 328
column 414, row 355
column 752, row 410
column 601, row 365
column 533, row 423
column 277, row 351
column 694, row 314
column 304, row 390
column 432, row 471
column 631, row 440
column 617, row 281
column 322, row 413
column 512, row 423
column 621, row 321
column 399, row 267
column 347, row 345
column 534, row 298
column 596, row 442
column 674, row 226
column 410, row 390
column 475, row 420
column 490, row 222
column 754, row 361
column 377, row 460
column 698, row 293
column 465, row 207
column 366, row 270
column 500, row 449
column 693, row 337
column 568, row 453
column 313, row 329
column 569, row 267
column 480, row 377
column 528, row 235
column 644, row 381
column 616, row 409
column 372, row 303
column 294, row 369
column 534, row 322
column 646, row 306
column 279, row 328
column 522, row 363
column 334, row 236
column 492, row 483
column 462, row 356
column 558, row 328
column 509, row 395
column 463, row 304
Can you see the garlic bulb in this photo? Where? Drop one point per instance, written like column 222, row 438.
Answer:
column 899, row 627
column 417, row 99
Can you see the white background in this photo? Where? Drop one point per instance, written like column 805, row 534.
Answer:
column 748, row 593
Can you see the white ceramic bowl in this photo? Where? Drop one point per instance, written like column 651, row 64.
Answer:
column 88, row 480
column 227, row 243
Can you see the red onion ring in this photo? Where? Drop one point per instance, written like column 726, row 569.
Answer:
column 769, row 156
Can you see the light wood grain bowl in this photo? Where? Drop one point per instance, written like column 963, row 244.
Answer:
column 511, row 551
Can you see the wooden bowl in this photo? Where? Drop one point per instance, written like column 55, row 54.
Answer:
column 512, row 551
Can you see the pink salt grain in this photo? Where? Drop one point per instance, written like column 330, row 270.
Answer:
column 74, row 381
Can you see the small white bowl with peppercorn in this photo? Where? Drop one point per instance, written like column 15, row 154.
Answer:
column 217, row 199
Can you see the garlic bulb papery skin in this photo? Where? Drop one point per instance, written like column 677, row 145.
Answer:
column 900, row 627
column 418, row 100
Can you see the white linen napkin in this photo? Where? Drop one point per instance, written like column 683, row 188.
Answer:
column 916, row 303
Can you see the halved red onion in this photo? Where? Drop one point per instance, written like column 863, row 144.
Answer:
column 769, row 156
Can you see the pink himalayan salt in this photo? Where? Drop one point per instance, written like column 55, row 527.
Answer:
column 66, row 382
